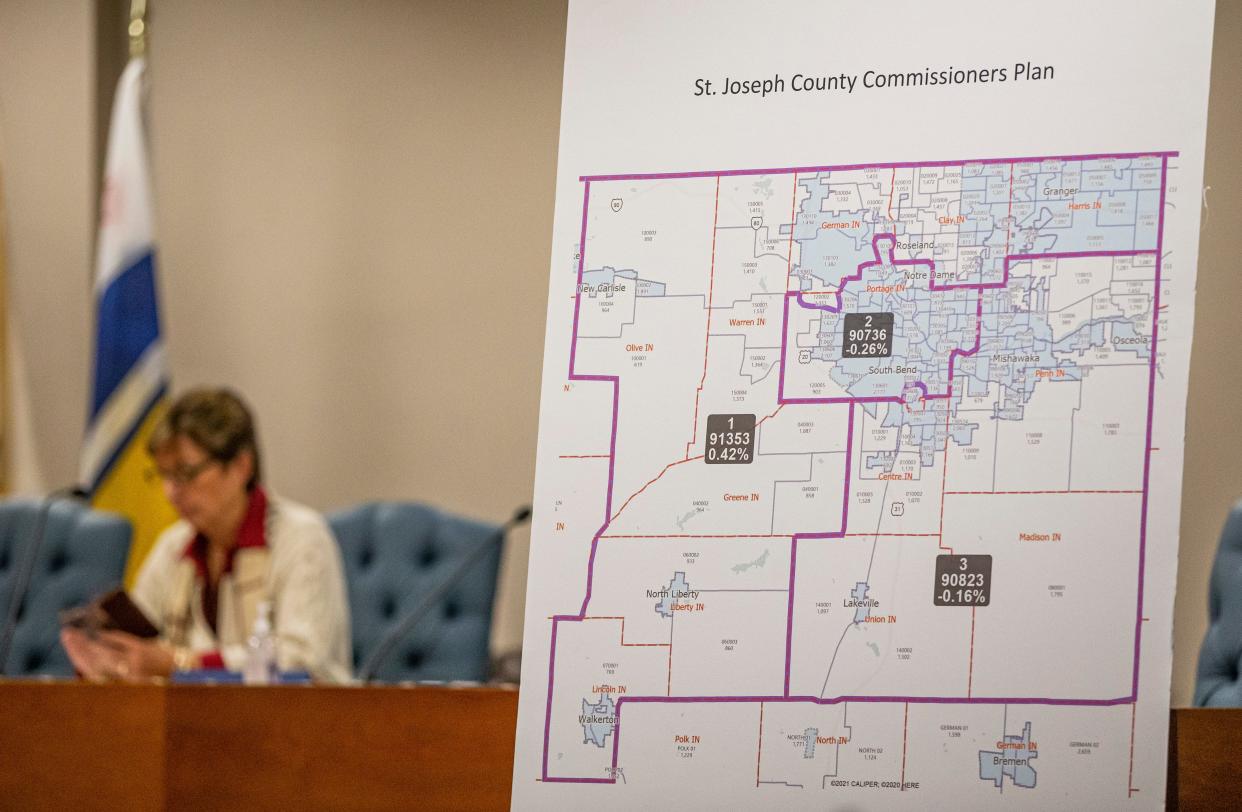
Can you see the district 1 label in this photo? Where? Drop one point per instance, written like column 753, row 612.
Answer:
column 730, row 439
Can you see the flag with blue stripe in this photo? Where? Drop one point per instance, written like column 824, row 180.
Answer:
column 130, row 375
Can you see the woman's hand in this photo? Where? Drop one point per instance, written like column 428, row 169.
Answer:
column 90, row 658
column 116, row 656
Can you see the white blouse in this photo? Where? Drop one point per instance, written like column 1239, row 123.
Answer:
column 299, row 572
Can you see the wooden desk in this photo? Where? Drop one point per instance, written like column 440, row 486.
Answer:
column 72, row 745
column 1204, row 769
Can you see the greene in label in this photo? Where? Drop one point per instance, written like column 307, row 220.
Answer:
column 867, row 335
column 963, row 580
column 730, row 439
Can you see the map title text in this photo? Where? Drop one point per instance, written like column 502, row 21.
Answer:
column 871, row 80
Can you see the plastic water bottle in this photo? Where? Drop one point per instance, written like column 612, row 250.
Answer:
column 261, row 650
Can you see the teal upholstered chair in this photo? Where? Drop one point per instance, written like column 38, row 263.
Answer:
column 1220, row 657
column 395, row 555
column 82, row 555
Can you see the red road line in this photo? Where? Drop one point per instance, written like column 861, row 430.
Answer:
column 756, row 535
column 762, row 419
column 622, row 619
column 759, row 755
column 699, row 536
column 668, row 686
column 970, row 676
column 1009, row 215
column 679, row 462
column 944, row 472
column 1130, row 790
column 892, row 184
column 793, row 223
column 653, row 479
column 894, row 535
column 707, row 338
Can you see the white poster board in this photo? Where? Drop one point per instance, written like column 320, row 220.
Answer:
column 863, row 401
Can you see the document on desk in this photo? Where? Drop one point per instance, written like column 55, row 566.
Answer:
column 864, row 390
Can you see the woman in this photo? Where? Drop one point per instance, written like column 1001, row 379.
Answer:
column 236, row 546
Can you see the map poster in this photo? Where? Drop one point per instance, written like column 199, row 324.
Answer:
column 863, row 400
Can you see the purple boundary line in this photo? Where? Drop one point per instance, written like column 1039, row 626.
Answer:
column 913, row 700
column 956, row 352
column 780, row 380
column 836, row 700
column 547, row 717
column 785, row 170
column 793, row 566
column 1008, row 260
column 793, row 548
column 1151, row 411
column 612, row 456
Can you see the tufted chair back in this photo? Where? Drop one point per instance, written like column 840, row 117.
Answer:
column 1220, row 657
column 397, row 552
column 83, row 554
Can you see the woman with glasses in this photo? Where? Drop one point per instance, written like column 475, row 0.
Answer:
column 235, row 548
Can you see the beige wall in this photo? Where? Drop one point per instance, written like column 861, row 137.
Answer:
column 1213, row 476
column 354, row 213
column 355, row 204
column 46, row 167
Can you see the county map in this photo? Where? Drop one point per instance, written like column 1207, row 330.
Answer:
column 851, row 482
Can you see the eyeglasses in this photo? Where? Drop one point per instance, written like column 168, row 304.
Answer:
column 181, row 475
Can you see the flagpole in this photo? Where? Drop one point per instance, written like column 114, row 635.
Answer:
column 137, row 28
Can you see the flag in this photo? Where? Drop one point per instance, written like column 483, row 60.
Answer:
column 130, row 381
